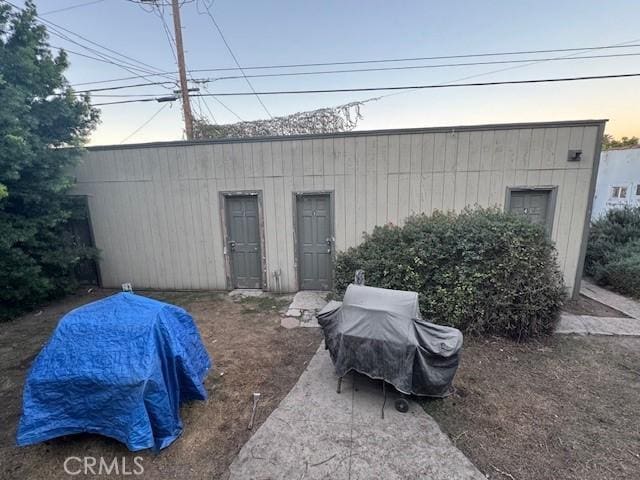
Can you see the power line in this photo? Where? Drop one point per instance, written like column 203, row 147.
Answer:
column 147, row 122
column 213, row 20
column 111, row 62
column 121, row 87
column 167, row 33
column 127, row 66
column 392, row 88
column 213, row 117
column 264, row 67
column 412, row 59
column 203, row 81
column 422, row 87
column 55, row 28
column 389, row 60
column 72, row 7
column 417, row 67
column 223, row 105
column 499, row 70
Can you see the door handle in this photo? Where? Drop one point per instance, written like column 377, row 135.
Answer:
column 232, row 245
column 329, row 244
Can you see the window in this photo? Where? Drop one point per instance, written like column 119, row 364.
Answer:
column 638, row 189
column 618, row 192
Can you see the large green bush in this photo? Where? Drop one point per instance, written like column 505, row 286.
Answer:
column 43, row 126
column 613, row 251
column 482, row 271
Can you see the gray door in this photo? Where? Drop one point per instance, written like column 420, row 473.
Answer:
column 314, row 242
column 243, row 241
column 533, row 205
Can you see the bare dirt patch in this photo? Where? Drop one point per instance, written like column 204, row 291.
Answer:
column 564, row 408
column 247, row 345
column 587, row 306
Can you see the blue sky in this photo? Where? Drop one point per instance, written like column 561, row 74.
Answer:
column 295, row 31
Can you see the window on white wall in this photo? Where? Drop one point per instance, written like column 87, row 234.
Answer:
column 638, row 189
column 618, row 193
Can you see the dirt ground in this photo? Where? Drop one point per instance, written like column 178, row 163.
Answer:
column 587, row 306
column 567, row 408
column 251, row 353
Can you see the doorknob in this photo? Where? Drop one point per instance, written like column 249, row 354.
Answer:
column 232, row 245
column 329, row 244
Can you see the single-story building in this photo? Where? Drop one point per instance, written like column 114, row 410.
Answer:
column 271, row 212
column 618, row 182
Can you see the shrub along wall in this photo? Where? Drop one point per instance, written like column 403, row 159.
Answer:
column 482, row 271
column 613, row 251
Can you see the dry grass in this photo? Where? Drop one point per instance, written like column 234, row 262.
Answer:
column 244, row 339
column 566, row 408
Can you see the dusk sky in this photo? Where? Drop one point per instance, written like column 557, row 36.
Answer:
column 290, row 32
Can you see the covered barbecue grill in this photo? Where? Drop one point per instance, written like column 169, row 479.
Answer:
column 380, row 333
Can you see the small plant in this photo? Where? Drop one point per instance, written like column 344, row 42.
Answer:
column 482, row 271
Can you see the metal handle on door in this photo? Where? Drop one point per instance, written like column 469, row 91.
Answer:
column 329, row 243
column 232, row 245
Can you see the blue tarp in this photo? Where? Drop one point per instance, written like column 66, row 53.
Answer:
column 119, row 367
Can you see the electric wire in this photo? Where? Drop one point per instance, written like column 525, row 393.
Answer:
column 319, row 64
column 203, row 81
column 147, row 122
column 397, row 87
column 57, row 29
column 235, row 59
column 71, row 7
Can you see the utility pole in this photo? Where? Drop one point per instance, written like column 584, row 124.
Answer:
column 184, row 87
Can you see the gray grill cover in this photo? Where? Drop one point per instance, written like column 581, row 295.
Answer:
column 380, row 333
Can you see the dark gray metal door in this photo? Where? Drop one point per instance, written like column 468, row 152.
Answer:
column 533, row 205
column 315, row 242
column 243, row 241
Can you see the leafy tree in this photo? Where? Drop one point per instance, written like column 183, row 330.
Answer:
column 608, row 142
column 43, row 126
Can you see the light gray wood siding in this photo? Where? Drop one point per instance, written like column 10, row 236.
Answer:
column 157, row 221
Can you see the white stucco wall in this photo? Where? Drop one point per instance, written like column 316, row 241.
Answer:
column 618, row 168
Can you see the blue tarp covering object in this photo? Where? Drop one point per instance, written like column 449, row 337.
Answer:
column 119, row 367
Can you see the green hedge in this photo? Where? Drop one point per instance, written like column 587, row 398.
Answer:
column 482, row 271
column 613, row 251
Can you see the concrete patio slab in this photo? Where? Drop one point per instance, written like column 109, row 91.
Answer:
column 317, row 433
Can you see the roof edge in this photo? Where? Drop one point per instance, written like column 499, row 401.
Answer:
column 355, row 133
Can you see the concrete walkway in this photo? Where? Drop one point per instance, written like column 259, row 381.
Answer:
column 317, row 433
column 590, row 325
column 621, row 303
column 303, row 309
